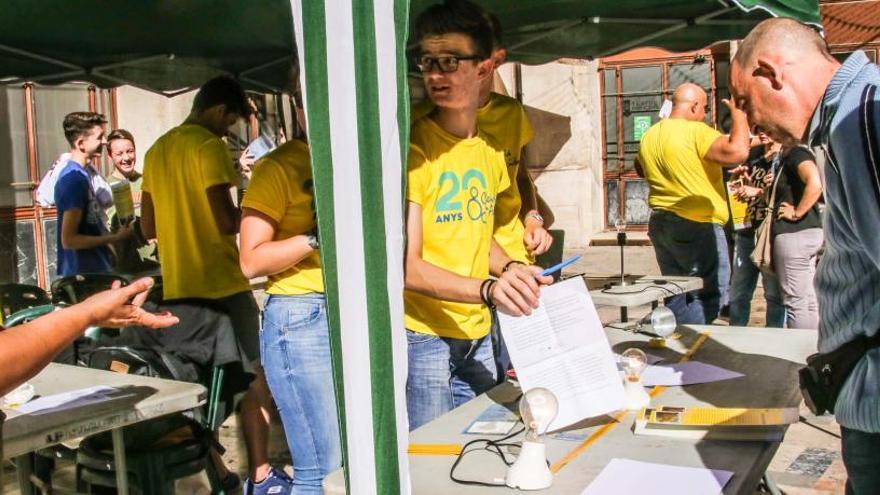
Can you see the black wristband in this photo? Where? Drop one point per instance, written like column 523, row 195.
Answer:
column 511, row 262
column 483, row 292
column 489, row 302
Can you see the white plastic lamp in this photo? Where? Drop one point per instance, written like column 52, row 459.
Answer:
column 634, row 361
column 538, row 408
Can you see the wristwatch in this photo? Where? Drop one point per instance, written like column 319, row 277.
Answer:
column 537, row 216
column 312, row 241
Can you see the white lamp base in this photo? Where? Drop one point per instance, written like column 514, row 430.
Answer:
column 530, row 471
column 636, row 396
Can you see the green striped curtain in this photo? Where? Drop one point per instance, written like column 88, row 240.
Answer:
column 354, row 87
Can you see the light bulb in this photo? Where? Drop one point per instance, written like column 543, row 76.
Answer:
column 634, row 361
column 663, row 321
column 538, row 408
column 620, row 224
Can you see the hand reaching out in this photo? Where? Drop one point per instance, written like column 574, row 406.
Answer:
column 121, row 307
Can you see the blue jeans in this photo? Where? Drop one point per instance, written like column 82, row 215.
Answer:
column 693, row 249
column 445, row 373
column 744, row 281
column 295, row 346
column 859, row 451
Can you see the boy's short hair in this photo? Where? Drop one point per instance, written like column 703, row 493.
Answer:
column 495, row 24
column 457, row 16
column 222, row 90
column 79, row 124
column 117, row 134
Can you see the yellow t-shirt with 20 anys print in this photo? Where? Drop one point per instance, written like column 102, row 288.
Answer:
column 282, row 189
column 503, row 120
column 456, row 182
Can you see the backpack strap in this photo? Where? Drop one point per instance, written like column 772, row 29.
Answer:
column 869, row 126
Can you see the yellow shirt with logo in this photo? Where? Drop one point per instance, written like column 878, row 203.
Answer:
column 682, row 181
column 282, row 189
column 503, row 120
column 456, row 182
column 197, row 259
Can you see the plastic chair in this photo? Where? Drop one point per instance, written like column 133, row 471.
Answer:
column 153, row 470
column 554, row 254
column 17, row 297
column 28, row 314
column 76, row 288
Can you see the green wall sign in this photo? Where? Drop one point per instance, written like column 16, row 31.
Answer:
column 641, row 123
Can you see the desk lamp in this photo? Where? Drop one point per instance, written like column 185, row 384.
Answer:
column 620, row 224
column 634, row 361
column 538, row 408
column 662, row 322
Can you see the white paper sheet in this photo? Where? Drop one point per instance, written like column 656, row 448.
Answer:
column 687, row 373
column 561, row 346
column 59, row 402
column 626, row 477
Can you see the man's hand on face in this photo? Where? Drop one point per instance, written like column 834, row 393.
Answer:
column 121, row 307
column 517, row 291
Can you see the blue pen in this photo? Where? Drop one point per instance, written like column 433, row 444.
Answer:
column 555, row 268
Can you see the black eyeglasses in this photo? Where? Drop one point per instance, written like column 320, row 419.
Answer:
column 445, row 64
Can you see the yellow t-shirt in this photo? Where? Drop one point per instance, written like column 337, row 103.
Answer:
column 197, row 259
column 282, row 189
column 681, row 181
column 456, row 182
column 503, row 120
column 738, row 212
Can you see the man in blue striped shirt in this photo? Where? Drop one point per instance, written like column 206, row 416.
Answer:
column 792, row 88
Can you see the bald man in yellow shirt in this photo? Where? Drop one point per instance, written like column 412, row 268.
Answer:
column 681, row 158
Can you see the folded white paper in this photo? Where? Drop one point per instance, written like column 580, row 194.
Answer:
column 625, row 477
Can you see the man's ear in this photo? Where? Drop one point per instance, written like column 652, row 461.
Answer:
column 499, row 56
column 485, row 68
column 770, row 70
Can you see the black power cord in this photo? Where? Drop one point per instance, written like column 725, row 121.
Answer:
column 493, row 446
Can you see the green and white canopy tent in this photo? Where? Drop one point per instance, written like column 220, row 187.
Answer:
column 352, row 56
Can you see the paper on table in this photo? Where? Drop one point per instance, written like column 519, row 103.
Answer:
column 561, row 346
column 625, row 476
column 687, row 373
column 66, row 400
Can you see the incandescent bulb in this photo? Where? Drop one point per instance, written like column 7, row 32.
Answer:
column 634, row 361
column 663, row 321
column 538, row 408
column 620, row 225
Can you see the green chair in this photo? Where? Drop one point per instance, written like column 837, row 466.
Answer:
column 17, row 297
column 26, row 315
column 553, row 256
column 75, row 288
column 154, row 469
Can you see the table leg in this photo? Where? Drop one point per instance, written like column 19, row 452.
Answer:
column 624, row 314
column 119, row 462
column 24, row 467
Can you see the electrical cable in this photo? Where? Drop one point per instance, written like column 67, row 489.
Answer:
column 823, row 430
column 493, row 446
column 490, row 445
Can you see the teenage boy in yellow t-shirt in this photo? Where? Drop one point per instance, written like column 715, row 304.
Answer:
column 454, row 178
column 186, row 204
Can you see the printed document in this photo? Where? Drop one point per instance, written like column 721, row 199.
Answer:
column 562, row 347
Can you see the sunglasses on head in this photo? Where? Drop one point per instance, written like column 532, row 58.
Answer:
column 445, row 64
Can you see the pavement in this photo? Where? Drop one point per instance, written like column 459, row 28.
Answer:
column 807, row 463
